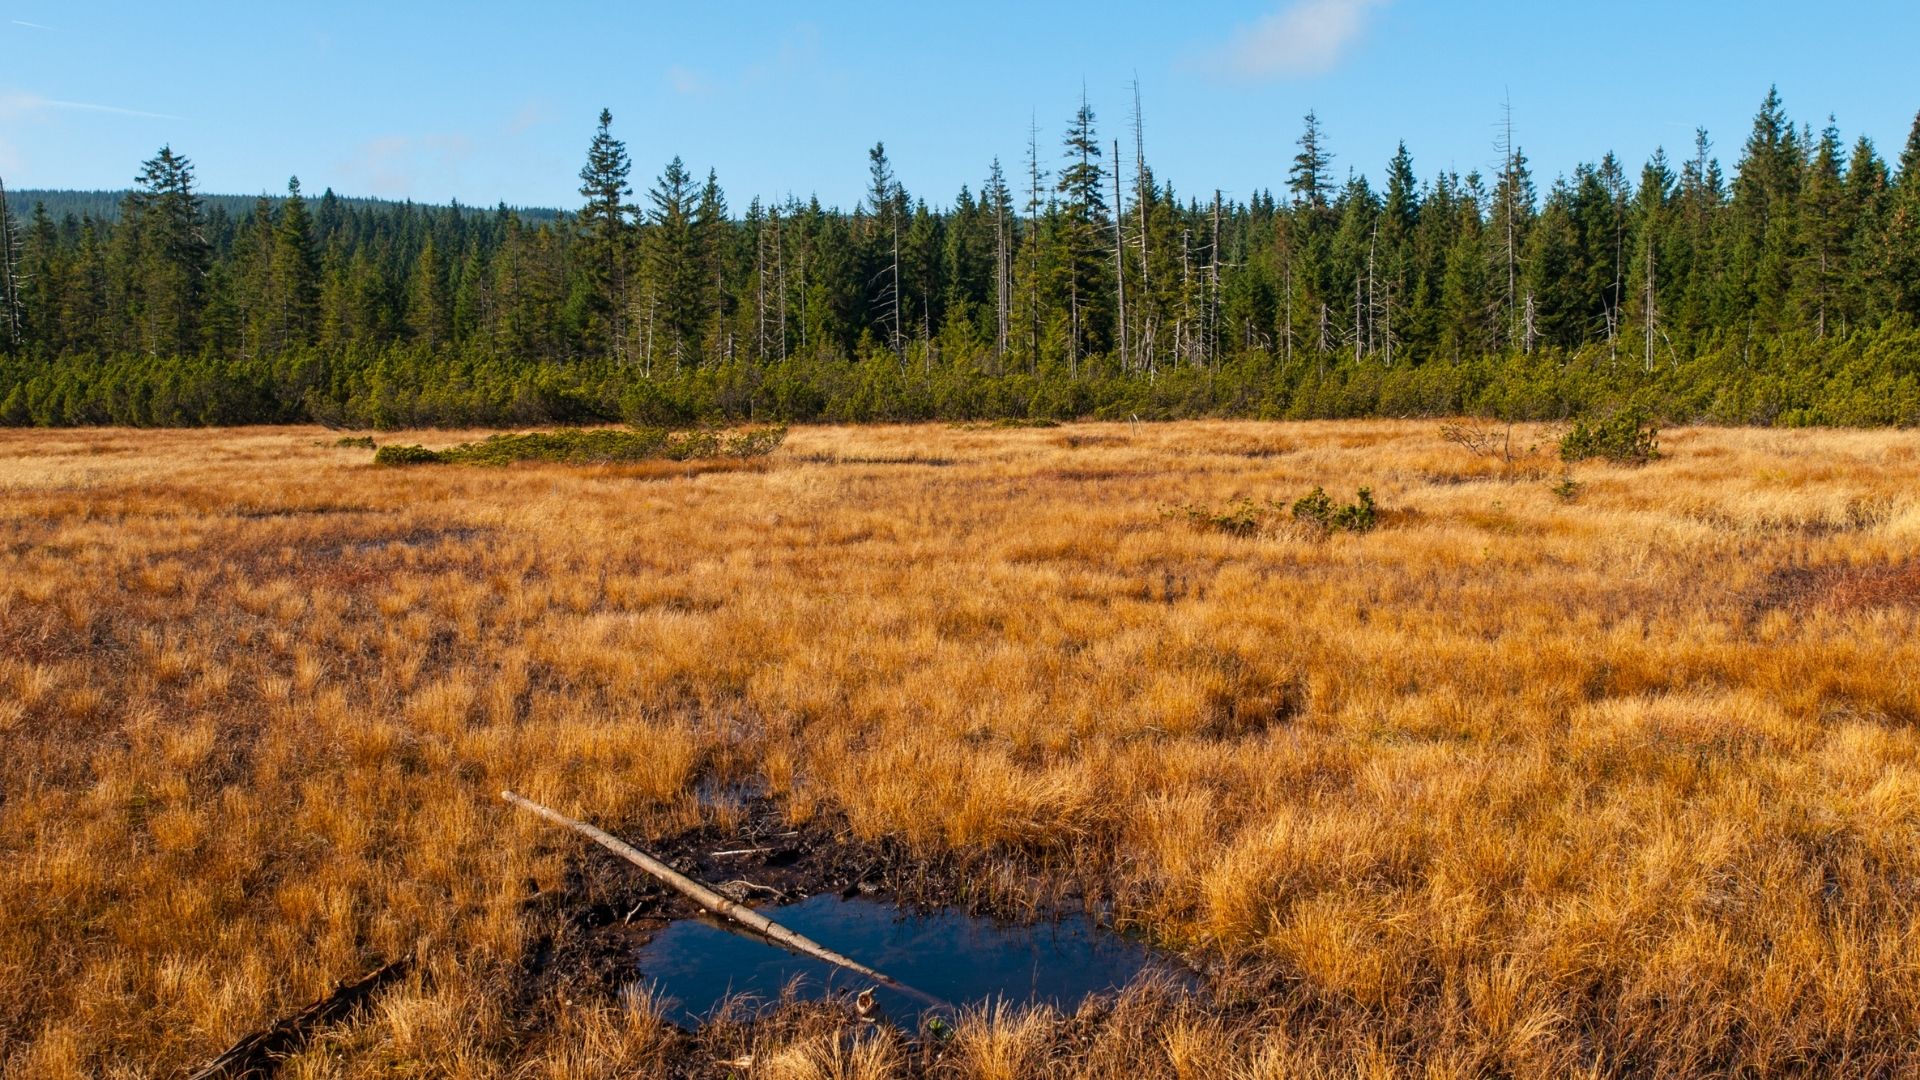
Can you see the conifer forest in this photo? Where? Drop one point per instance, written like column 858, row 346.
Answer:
column 1780, row 286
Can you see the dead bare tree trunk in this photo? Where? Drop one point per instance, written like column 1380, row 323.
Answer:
column 1002, row 266
column 1120, row 260
column 1359, row 340
column 1373, row 244
column 12, row 306
column 1513, row 263
column 899, row 349
column 780, row 273
column 1287, row 316
column 1213, row 285
column 1033, row 246
column 1142, row 195
column 1652, row 315
column 760, row 291
column 1182, row 328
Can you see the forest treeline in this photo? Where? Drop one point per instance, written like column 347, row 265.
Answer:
column 1074, row 283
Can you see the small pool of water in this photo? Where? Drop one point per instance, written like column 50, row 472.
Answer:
column 958, row 958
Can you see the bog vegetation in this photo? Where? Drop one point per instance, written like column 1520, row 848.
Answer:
column 1074, row 283
column 1509, row 784
column 584, row 447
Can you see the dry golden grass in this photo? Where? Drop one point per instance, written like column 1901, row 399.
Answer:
column 1625, row 785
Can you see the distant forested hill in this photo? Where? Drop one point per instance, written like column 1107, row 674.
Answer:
column 1785, row 290
column 107, row 205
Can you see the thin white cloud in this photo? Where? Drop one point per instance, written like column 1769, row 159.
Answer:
column 530, row 115
column 688, row 82
column 28, row 104
column 798, row 54
column 1307, row 37
column 397, row 166
column 34, row 25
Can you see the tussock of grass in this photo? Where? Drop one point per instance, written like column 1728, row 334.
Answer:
column 593, row 446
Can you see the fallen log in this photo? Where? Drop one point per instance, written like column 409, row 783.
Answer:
column 717, row 904
column 258, row 1055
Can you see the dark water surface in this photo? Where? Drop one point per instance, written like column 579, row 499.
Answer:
column 961, row 959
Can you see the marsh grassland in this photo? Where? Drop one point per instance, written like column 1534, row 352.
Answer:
column 1609, row 778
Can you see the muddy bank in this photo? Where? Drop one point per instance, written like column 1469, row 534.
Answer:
column 591, row 926
column 591, row 932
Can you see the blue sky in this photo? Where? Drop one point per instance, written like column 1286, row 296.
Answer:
column 490, row 102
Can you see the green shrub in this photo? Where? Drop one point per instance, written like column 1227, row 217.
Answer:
column 1567, row 489
column 1237, row 519
column 593, row 447
column 355, row 442
column 1628, row 437
column 753, row 444
column 1315, row 507
column 392, row 456
column 1318, row 509
column 1359, row 516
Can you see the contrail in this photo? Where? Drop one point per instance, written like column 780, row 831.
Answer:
column 29, row 102
column 34, row 25
column 114, row 109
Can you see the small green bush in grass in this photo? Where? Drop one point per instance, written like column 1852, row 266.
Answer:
column 391, row 455
column 1628, row 437
column 1318, row 508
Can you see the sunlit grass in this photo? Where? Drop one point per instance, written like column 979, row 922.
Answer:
column 1616, row 782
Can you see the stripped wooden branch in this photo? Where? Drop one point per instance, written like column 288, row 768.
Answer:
column 716, row 903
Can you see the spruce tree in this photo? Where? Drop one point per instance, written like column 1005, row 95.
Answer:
column 1824, row 236
column 428, row 313
column 1649, row 269
column 45, row 294
column 921, row 254
column 997, row 198
column 1903, row 230
column 250, row 282
column 605, row 223
column 1553, row 304
column 1864, row 280
column 1698, row 271
column 1394, row 257
column 84, row 289
column 886, row 204
column 1765, row 229
column 713, row 240
column 170, row 255
column 674, row 271
column 1468, row 303
column 1082, row 249
column 296, row 273
column 1511, row 224
column 1310, row 180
